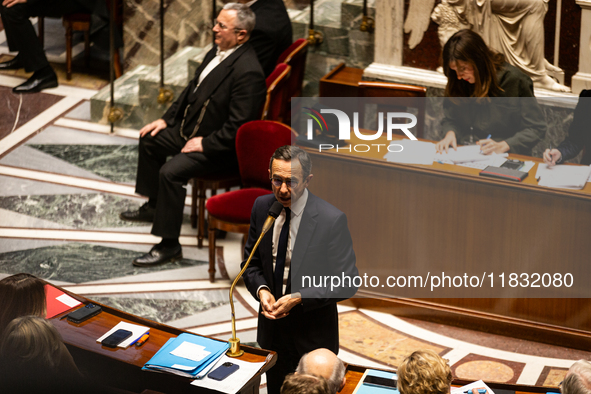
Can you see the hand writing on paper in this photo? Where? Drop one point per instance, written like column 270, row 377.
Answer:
column 490, row 146
column 551, row 157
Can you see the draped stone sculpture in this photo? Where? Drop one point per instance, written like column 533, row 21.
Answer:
column 514, row 28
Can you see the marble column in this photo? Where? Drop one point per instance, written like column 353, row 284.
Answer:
column 582, row 79
column 388, row 33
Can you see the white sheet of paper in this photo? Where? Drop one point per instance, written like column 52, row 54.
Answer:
column 413, row 152
column 67, row 300
column 234, row 382
column 563, row 176
column 190, row 351
column 465, row 154
column 475, row 385
column 182, row 367
column 137, row 333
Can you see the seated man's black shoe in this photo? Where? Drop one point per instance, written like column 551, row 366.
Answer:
column 12, row 64
column 144, row 214
column 37, row 83
column 159, row 255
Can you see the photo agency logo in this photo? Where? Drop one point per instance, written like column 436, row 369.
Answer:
column 336, row 132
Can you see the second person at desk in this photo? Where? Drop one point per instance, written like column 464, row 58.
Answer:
column 489, row 102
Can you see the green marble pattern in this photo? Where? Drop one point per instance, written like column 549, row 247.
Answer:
column 81, row 211
column 159, row 310
column 117, row 163
column 79, row 263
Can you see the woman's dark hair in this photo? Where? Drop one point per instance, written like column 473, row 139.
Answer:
column 20, row 295
column 467, row 46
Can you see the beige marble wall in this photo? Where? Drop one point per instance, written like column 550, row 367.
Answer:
column 186, row 23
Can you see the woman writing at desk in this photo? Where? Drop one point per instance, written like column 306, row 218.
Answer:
column 491, row 103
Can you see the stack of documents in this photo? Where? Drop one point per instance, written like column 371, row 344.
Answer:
column 238, row 379
column 563, row 176
column 411, row 152
column 186, row 355
column 466, row 154
column 479, row 384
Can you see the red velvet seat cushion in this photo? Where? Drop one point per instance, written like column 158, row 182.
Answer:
column 234, row 206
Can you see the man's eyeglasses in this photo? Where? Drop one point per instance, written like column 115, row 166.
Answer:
column 278, row 182
column 224, row 27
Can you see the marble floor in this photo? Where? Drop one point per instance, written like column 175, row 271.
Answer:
column 63, row 181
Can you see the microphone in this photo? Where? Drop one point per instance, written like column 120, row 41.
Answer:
column 234, row 342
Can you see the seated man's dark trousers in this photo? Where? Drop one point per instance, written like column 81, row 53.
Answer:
column 165, row 180
column 20, row 33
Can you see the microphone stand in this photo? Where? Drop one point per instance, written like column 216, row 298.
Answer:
column 234, row 342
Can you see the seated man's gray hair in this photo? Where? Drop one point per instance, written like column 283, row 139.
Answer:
column 578, row 379
column 336, row 378
column 245, row 18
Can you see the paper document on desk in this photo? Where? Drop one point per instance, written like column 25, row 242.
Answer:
column 136, row 333
column 413, row 152
column 475, row 385
column 563, row 176
column 466, row 154
column 233, row 383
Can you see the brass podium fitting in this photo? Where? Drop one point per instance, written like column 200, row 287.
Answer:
column 367, row 24
column 315, row 37
column 165, row 95
column 115, row 114
column 234, row 350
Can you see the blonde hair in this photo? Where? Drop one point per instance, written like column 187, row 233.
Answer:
column 424, row 372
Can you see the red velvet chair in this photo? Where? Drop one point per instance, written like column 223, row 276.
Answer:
column 294, row 56
column 272, row 109
column 277, row 100
column 255, row 143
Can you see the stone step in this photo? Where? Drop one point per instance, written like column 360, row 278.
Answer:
column 175, row 77
column 126, row 98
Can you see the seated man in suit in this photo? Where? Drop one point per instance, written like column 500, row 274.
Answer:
column 272, row 33
column 309, row 238
column 579, row 135
column 198, row 130
column 578, row 379
column 324, row 363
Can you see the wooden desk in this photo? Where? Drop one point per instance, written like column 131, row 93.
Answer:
column 122, row 367
column 341, row 81
column 355, row 372
column 404, row 217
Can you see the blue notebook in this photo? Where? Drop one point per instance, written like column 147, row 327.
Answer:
column 165, row 361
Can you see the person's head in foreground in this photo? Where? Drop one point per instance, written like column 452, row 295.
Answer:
column 470, row 66
column 290, row 172
column 20, row 295
column 424, row 372
column 578, row 379
column 324, row 363
column 233, row 26
column 304, row 384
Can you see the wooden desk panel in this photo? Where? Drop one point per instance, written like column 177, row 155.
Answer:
column 404, row 216
column 122, row 367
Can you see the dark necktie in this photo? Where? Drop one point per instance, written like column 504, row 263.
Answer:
column 281, row 253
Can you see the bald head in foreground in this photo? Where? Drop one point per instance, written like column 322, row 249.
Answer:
column 324, row 363
column 578, row 379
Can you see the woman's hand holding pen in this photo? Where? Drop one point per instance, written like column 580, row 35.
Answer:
column 552, row 156
column 489, row 146
column 449, row 139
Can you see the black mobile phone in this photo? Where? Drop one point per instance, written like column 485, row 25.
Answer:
column 116, row 338
column 512, row 164
column 84, row 313
column 379, row 381
column 223, row 371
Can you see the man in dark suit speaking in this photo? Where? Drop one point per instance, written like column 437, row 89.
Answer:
column 309, row 238
column 198, row 130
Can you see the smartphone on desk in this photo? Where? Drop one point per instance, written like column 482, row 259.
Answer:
column 380, row 382
column 116, row 338
column 223, row 371
column 84, row 313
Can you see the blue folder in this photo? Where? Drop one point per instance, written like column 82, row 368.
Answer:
column 164, row 361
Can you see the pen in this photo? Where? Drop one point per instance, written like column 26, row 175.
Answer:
column 487, row 138
column 142, row 340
